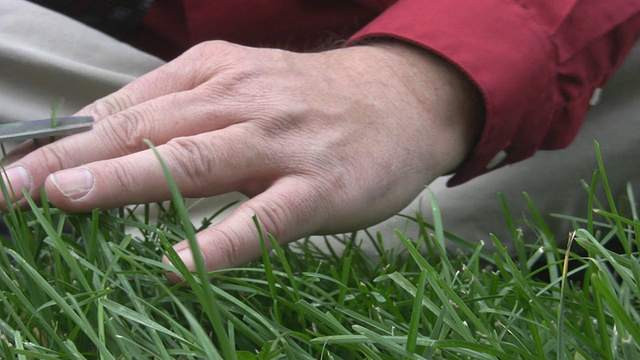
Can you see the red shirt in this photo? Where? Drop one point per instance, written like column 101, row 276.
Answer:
column 536, row 62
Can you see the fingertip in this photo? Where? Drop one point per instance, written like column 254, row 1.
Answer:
column 52, row 193
column 68, row 188
column 173, row 276
column 16, row 179
column 186, row 256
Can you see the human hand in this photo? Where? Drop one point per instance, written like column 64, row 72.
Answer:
column 322, row 143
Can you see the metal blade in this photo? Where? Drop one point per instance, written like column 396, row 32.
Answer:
column 36, row 129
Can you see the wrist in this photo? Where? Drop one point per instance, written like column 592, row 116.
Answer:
column 451, row 102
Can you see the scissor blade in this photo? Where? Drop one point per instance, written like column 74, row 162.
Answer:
column 36, row 129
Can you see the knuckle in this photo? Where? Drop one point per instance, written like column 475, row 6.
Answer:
column 126, row 131
column 110, row 105
column 55, row 158
column 227, row 249
column 204, row 51
column 211, row 46
column 190, row 158
column 225, row 59
column 124, row 178
column 198, row 49
column 271, row 215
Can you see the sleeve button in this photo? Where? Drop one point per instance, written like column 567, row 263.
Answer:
column 497, row 160
column 595, row 98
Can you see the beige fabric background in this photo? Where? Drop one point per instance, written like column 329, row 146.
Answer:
column 45, row 56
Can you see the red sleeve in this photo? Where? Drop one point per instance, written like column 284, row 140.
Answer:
column 536, row 62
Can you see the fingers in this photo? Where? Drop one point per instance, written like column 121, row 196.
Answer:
column 172, row 77
column 202, row 165
column 174, row 101
column 288, row 210
column 158, row 120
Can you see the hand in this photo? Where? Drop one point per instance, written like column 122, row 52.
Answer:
column 322, row 143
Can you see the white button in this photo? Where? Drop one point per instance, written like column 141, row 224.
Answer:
column 497, row 160
column 595, row 98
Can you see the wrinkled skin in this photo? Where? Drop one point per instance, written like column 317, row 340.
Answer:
column 322, row 143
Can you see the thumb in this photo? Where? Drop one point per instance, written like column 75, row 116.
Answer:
column 288, row 210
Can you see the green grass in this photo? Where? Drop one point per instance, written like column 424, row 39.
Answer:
column 79, row 286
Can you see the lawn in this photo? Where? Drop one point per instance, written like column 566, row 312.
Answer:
column 80, row 286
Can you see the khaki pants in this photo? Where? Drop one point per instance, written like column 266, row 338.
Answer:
column 45, row 56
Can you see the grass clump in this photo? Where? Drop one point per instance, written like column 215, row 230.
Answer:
column 82, row 287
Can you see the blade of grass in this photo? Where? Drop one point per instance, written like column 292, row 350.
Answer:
column 612, row 204
column 634, row 213
column 447, row 268
column 61, row 247
column 271, row 279
column 516, row 235
column 86, row 327
column 414, row 324
column 205, row 293
column 203, row 340
column 384, row 342
column 619, row 313
column 561, row 305
column 550, row 246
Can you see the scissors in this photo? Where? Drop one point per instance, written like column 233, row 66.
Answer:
column 36, row 129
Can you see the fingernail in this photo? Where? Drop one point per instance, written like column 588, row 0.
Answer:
column 187, row 258
column 16, row 178
column 74, row 183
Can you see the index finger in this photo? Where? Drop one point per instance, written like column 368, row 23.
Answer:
column 186, row 72
column 119, row 135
